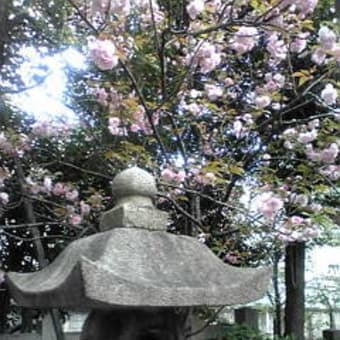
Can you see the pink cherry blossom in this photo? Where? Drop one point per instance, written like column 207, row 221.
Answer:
column 84, row 208
column 214, row 5
column 329, row 94
column 299, row 43
column 231, row 258
column 104, row 54
column 59, row 189
column 195, row 8
column 297, row 220
column 311, row 232
column 209, row 57
column 327, row 38
column 33, row 186
column 288, row 145
column 276, row 47
column 100, row 7
column 75, row 219
column 274, row 81
column 228, row 82
column 141, row 122
column 194, row 108
column 329, row 155
column 205, row 178
column 213, row 91
column 307, row 137
column 290, row 133
column 245, row 39
column 4, row 174
column 72, row 195
column 195, row 94
column 315, row 207
column 307, row 6
column 331, row 171
column 270, row 205
column 114, row 126
column 312, row 154
column 180, row 176
column 101, row 95
column 5, row 144
column 238, row 130
column 319, row 56
column 302, row 7
column 4, row 198
column 120, row 7
column 42, row 128
column 262, row 101
column 336, row 52
column 171, row 175
column 315, row 123
column 48, row 185
column 168, row 174
column 202, row 237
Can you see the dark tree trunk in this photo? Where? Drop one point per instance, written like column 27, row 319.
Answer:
column 295, row 290
column 331, row 319
column 5, row 6
column 40, row 253
column 4, row 308
column 27, row 320
column 277, row 326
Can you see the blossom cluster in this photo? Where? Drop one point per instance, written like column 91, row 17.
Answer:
column 75, row 209
column 269, row 205
column 325, row 155
column 138, row 122
column 304, row 134
column 123, row 8
column 50, row 128
column 245, row 39
column 178, row 176
column 104, row 54
column 273, row 82
column 207, row 56
column 241, row 125
column 328, row 46
column 171, row 175
column 15, row 145
column 297, row 229
column 331, row 171
column 4, row 196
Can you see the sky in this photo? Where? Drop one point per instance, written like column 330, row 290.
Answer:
column 46, row 102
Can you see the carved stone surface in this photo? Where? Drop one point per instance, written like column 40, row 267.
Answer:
column 135, row 263
column 134, row 182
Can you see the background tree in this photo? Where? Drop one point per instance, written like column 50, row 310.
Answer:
column 224, row 101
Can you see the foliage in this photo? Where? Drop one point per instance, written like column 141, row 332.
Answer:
column 238, row 332
column 232, row 105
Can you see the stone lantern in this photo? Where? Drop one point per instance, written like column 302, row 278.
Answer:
column 137, row 279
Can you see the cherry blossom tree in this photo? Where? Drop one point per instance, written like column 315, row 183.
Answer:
column 231, row 104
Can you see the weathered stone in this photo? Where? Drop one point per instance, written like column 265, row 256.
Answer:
column 134, row 182
column 136, row 269
column 134, row 212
